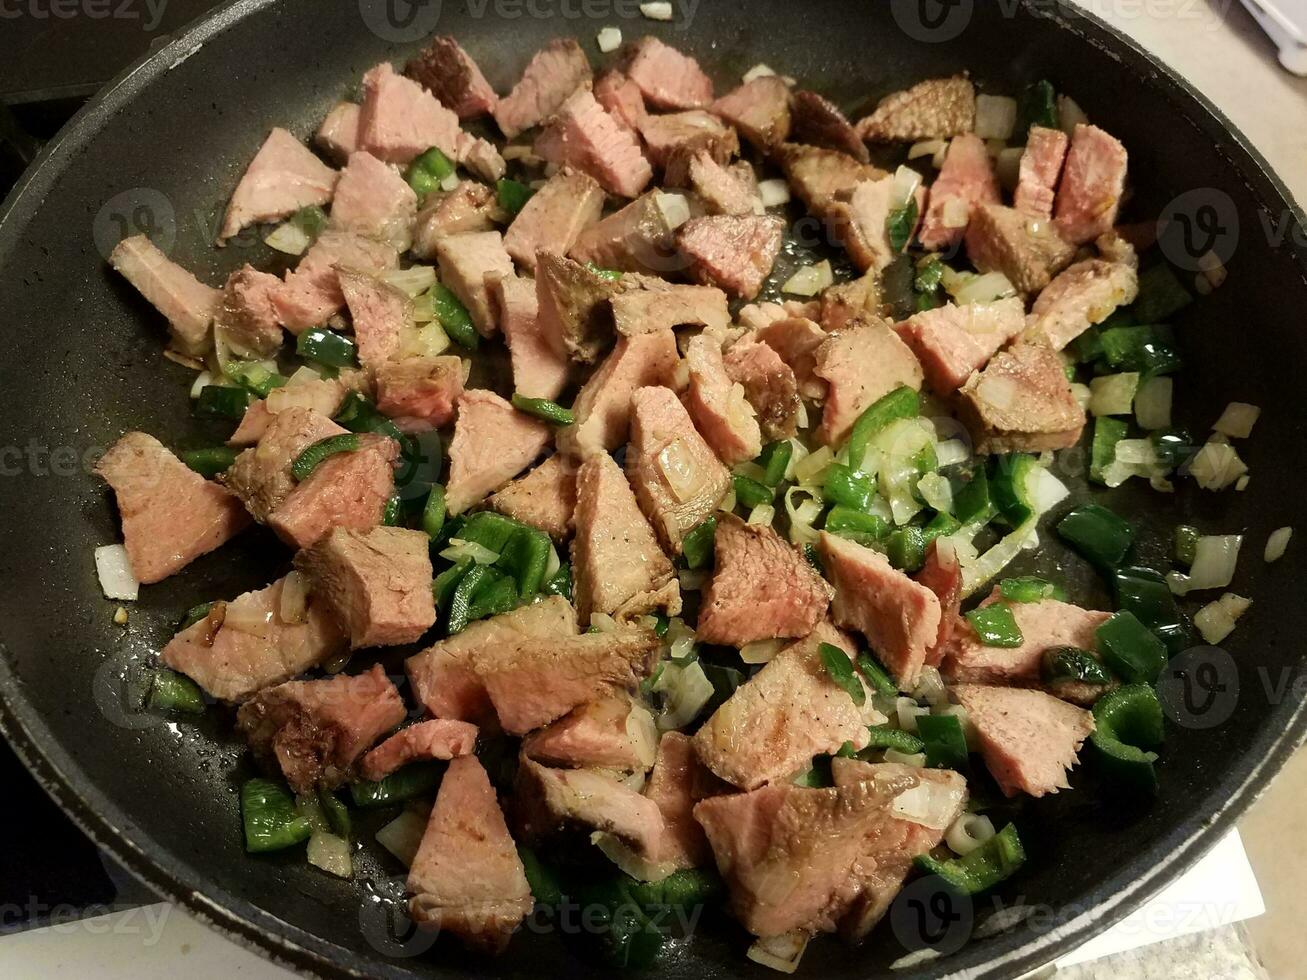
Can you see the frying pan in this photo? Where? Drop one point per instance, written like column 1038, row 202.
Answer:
column 161, row 149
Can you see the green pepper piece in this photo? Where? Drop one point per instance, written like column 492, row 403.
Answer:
column 1186, row 543
column 540, row 878
column 309, row 458
column 1098, row 534
column 900, row 224
column 454, row 317
column 906, row 548
column 512, row 194
column 427, row 171
column 543, row 408
column 461, row 600
column 447, row 581
column 612, row 275
column 972, row 503
column 996, row 626
column 1150, row 349
column 750, row 493
column 1144, row 592
column 940, row 526
column 415, row 779
column 490, row 530
column 336, row 812
column 393, row 512
column 878, row 678
column 323, row 346
column 866, row 529
column 1134, row 653
column 929, row 274
column 1030, row 588
column 885, row 737
column 498, row 594
column 991, row 863
column 945, row 744
column 270, row 818
column 848, row 487
column 254, row 376
column 1037, row 106
column 1127, row 727
column 1007, row 487
column 525, row 556
column 172, row 693
column 560, row 583
column 1161, row 295
column 840, row 668
column 433, row 512
column 1060, row 665
column 194, row 615
column 725, row 680
column 222, row 402
column 210, row 461
column 1087, row 347
column 1108, row 432
column 901, row 403
column 311, row 220
column 775, row 460
column 1174, row 447
column 697, row 545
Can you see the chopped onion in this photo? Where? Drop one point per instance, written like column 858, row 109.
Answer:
column 1044, row 490
column 728, row 502
column 773, row 192
column 1008, row 167
column 955, row 213
column 303, row 374
column 679, row 639
column 803, row 515
column 115, row 571
column 798, row 451
column 293, row 606
column 1070, row 114
column 1080, row 392
column 929, row 803
column 907, row 711
column 1215, row 621
column 967, row 287
column 1153, row 403
column 760, row 651
column 780, row 952
column 811, row 470
column 289, row 238
column 763, row 514
column 936, row 491
column 458, row 549
column 330, row 853
column 951, row 451
column 202, row 380
column 609, row 39
column 660, row 10
column 680, row 470
column 996, row 117
column 1277, row 543
column 968, row 832
column 1113, row 394
column 906, row 182
column 450, row 183
column 801, row 415
column 1216, row 465
column 1237, row 420
column 685, row 689
column 120, row 616
column 810, row 279
column 930, row 687
column 414, row 280
column 1215, row 558
column 602, row 622
column 981, row 570
column 642, row 733
column 1212, row 269
column 1241, row 484
column 403, row 836
column 926, row 148
column 757, row 71
column 674, row 207
column 629, row 862
column 915, row 759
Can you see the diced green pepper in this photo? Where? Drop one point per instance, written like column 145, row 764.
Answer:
column 930, row 273
column 878, row 678
column 1108, row 432
column 496, row 595
column 612, row 275
column 906, row 548
column 972, row 503
column 543, row 408
column 1087, row 347
column 1037, row 106
column 454, row 317
column 427, row 171
column 393, row 512
column 857, row 525
column 774, row 461
column 1029, row 588
column 415, row 779
column 433, row 512
column 1185, row 545
column 901, row 403
column 255, row 376
column 945, row 744
column 1130, row 649
column 885, row 737
column 1098, row 534
column 1149, row 349
column 272, row 823
column 311, row 220
column 194, row 615
column 1173, row 447
column 323, row 346
column 1060, row 665
column 490, row 530
column 1161, row 295
column 447, row 581
column 336, row 812
column 460, row 601
column 840, row 668
column 900, row 224
column 526, row 556
column 750, row 493
column 996, row 626
column 940, row 526
column 1127, row 728
column 222, row 402
column 697, row 545
column 512, row 194
column 1144, row 592
column 560, row 583
column 1007, row 487
column 210, row 461
column 991, row 863
column 848, row 487
column 172, row 693
column 309, row 458
column 540, row 878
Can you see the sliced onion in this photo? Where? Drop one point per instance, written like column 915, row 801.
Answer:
column 996, row 117
column 1215, row 559
column 931, row 804
column 609, row 39
column 780, row 953
column 907, row 711
column 674, row 207
column 1069, row 114
column 1153, row 403
column 117, row 581
column 803, row 514
column 458, row 550
column 679, row 639
column 642, row 733
column 930, row 687
column 1237, row 420
column 773, row 193
column 202, row 380
column 977, row 573
column 1277, row 544
column 968, row 832
column 602, row 622
column 293, row 606
column 1044, row 490
column 288, row 238
column 951, row 451
column 915, row 759
column 252, row 619
column 760, row 651
column 811, row 470
column 303, row 374
column 762, row 515
column 685, row 689
column 798, row 452
column 936, row 491
column 926, row 148
column 757, row 71
column 810, row 279
column 330, row 853
column 413, row 281
column 659, row 10
column 1113, row 394
column 680, row 470
column 628, row 861
column 1216, row 466
column 1215, row 621
column 968, row 287
column 906, row 182
column 403, row 836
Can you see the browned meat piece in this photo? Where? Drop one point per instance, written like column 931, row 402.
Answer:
column 1028, row 252
column 668, row 78
column 1021, row 402
column 540, row 367
column 603, row 405
column 671, row 141
column 638, row 238
column 942, row 574
column 1080, row 295
column 469, row 264
column 1041, row 164
column 283, row 177
column 933, row 109
column 1044, row 625
column 420, row 393
column 787, row 852
column 338, row 136
column 311, row 293
column 379, row 313
column 1028, row 739
column 554, row 73
column 245, row 645
column 769, row 386
column 467, row 878
column 532, row 681
column 583, row 136
column 453, row 77
column 760, row 110
column 621, row 99
column 554, row 216
column 722, row 190
column 887, row 856
column 188, row 304
column 762, row 587
column 859, row 220
column 791, row 710
column 378, row 583
column 718, row 405
column 859, row 364
column 467, row 207
column 965, row 181
column 852, row 300
column 953, row 341
column 677, row 478
column 246, row 316
column 796, row 340
column 442, row 677
column 493, row 442
column 819, row 122
column 545, row 498
column 1093, row 183
column 593, row 734
column 659, row 305
column 899, row 617
column 374, row 201
column 436, row 739
column 321, row 395
column 170, row 514
column 677, row 783
column 617, row 566
column 315, row 731
column 551, row 799
column 818, row 175
column 734, row 252
column 261, row 475
column 573, row 312
column 345, row 490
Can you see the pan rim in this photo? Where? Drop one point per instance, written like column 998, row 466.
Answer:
column 238, row 919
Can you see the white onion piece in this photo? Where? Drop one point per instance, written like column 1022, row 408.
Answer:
column 1237, row 420
column 798, row 451
column 977, row 573
column 926, row 148
column 811, row 470
column 810, row 279
column 330, row 853
column 955, row 213
column 303, row 374
column 412, row 281
column 906, row 182
column 1277, row 543
column 293, row 605
column 802, row 515
column 679, row 638
column 951, row 451
column 674, row 207
column 915, row 759
column 931, row 804
column 1215, row 621
column 403, row 836
column 1113, row 394
column 115, row 571
column 680, row 470
column 1216, row 466
column 781, row 953
column 202, row 380
column 1153, row 403
column 288, row 238
column 968, row 832
column 609, row 39
column 660, row 10
column 450, row 183
column 757, row 71
column 762, row 515
column 760, row 651
column 996, row 117
column 907, row 711
column 685, row 689
column 458, row 549
column 930, row 688
column 1070, row 114
column 604, row 623
column 642, row 733
column 936, row 491
column 773, row 192
column 627, row 861
column 1215, row 559
column 1044, row 490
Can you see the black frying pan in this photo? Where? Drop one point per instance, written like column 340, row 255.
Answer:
column 81, row 363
